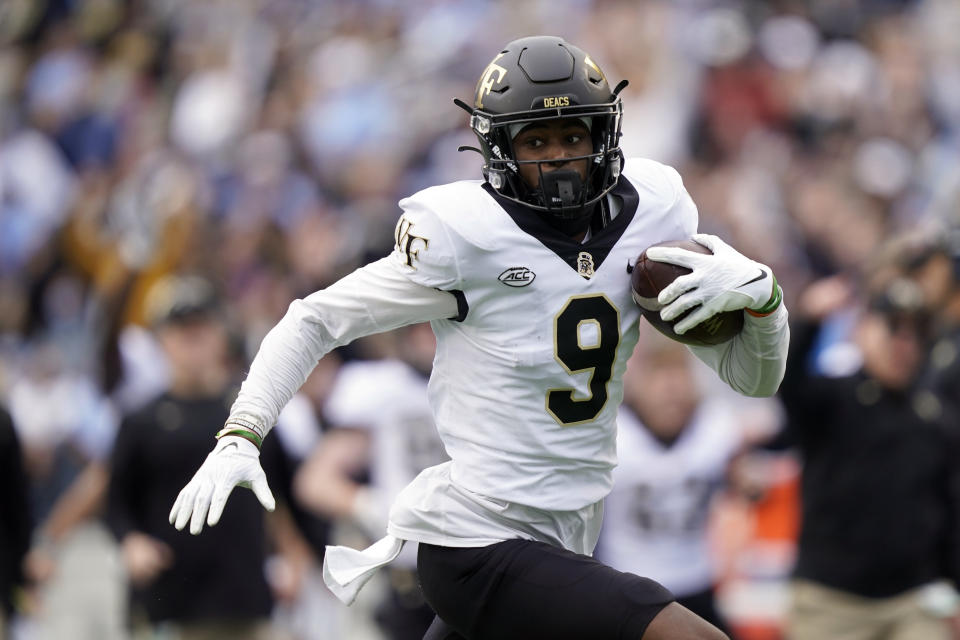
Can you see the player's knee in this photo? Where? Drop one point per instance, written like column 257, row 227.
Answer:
column 713, row 634
column 676, row 622
column 440, row 630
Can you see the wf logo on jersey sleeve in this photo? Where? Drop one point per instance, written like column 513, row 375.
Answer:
column 407, row 243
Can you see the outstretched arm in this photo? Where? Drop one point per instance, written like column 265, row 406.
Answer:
column 372, row 299
column 375, row 298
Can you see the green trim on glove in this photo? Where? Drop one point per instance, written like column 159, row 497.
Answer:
column 242, row 432
column 776, row 297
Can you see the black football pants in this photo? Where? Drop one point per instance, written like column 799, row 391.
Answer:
column 526, row 590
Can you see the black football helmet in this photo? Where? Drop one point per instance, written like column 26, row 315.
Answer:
column 544, row 78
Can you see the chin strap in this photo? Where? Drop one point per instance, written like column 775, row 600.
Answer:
column 561, row 188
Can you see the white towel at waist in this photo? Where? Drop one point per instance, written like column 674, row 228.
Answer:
column 346, row 570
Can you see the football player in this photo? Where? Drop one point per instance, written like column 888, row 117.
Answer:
column 524, row 277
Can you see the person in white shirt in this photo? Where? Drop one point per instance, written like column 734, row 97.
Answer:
column 380, row 426
column 675, row 446
column 524, row 277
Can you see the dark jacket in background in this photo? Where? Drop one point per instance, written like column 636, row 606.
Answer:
column 218, row 575
column 942, row 372
column 14, row 512
column 881, row 480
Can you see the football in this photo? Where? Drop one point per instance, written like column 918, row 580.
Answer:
column 648, row 278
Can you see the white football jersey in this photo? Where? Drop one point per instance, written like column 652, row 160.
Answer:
column 531, row 347
column 526, row 382
column 655, row 518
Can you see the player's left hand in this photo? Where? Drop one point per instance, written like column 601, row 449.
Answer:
column 233, row 462
column 724, row 281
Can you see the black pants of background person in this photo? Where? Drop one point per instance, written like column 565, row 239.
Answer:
column 403, row 614
column 520, row 589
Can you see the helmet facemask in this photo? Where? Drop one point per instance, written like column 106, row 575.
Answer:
column 539, row 79
column 560, row 193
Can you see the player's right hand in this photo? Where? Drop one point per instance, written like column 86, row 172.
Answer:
column 235, row 461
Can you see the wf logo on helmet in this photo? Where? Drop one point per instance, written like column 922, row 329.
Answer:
column 485, row 86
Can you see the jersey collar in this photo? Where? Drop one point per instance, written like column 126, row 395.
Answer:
column 599, row 243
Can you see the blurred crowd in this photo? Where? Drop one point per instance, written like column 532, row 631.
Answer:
column 262, row 146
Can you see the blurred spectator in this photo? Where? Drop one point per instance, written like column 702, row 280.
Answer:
column 384, row 432
column 675, row 448
column 66, row 426
column 305, row 607
column 309, row 612
column 183, row 581
column 936, row 269
column 14, row 519
column 880, row 483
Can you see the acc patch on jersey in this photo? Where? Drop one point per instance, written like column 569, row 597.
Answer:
column 517, row 277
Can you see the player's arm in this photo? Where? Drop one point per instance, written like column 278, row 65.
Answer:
column 754, row 361
column 414, row 284
column 375, row 298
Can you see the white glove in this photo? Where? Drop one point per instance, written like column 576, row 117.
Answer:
column 724, row 281
column 234, row 461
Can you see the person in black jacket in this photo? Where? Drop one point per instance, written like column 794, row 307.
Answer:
column 14, row 517
column 211, row 586
column 880, row 484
